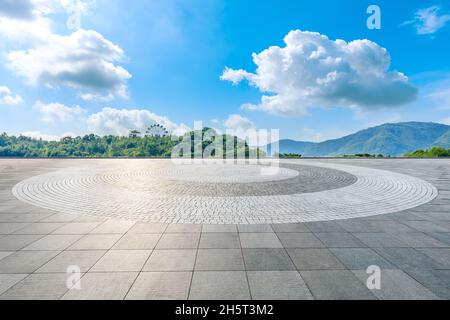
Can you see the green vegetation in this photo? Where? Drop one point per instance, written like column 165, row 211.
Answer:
column 363, row 155
column 135, row 145
column 435, row 152
column 288, row 155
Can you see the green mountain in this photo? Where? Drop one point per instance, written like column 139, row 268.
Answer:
column 392, row 139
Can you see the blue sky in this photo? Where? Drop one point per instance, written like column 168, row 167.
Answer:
column 166, row 59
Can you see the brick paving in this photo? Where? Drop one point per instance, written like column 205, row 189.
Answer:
column 325, row 257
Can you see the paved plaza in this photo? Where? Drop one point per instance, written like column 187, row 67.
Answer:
column 153, row 229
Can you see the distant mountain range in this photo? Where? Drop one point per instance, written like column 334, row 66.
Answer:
column 391, row 139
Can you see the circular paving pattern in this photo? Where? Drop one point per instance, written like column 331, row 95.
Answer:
column 161, row 191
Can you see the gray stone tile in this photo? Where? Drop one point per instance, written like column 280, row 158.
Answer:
column 219, row 228
column 40, row 228
column 137, row 241
column 8, row 227
column 408, row 258
column 290, row 227
column 441, row 255
column 8, row 280
column 255, row 228
column 38, row 287
column 227, row 240
column 278, row 285
column 113, row 226
column 53, row 242
column 437, row 281
column 380, row 240
column 60, row 217
column 314, row 259
column 361, row 258
column 267, row 260
column 28, row 217
column 219, row 285
column 142, row 227
column 336, row 285
column 260, row 240
column 184, row 228
column 161, row 286
column 418, row 240
column 171, row 260
column 219, row 260
column 4, row 254
column 96, row 242
column 339, row 240
column 358, row 226
column 300, row 240
column 17, row 242
column 325, row 226
column 179, row 241
column 77, row 228
column 442, row 237
column 82, row 259
column 397, row 285
column 426, row 226
column 25, row 261
column 102, row 286
column 122, row 260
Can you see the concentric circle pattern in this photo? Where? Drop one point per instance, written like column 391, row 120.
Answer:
column 161, row 191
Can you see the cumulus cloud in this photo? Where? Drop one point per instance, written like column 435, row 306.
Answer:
column 7, row 98
column 429, row 20
column 83, row 60
column 122, row 121
column 313, row 70
column 238, row 122
column 57, row 112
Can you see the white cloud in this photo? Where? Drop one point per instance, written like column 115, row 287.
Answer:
column 122, row 121
column 57, row 112
column 446, row 121
column 83, row 60
column 428, row 21
column 7, row 98
column 238, row 122
column 312, row 70
column 47, row 137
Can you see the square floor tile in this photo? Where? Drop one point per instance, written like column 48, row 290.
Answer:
column 142, row 227
column 16, row 242
column 380, row 240
column 8, row 280
column 339, row 240
column 300, row 240
column 40, row 228
column 113, row 226
column 161, row 286
column 441, row 255
column 137, row 241
column 179, row 241
column 102, row 286
column 324, row 226
column 259, row 240
column 278, row 285
column 336, row 285
column 77, row 228
column 418, row 240
column 171, row 260
column 96, row 242
column 184, row 228
column 437, row 281
column 255, row 228
column 53, row 242
column 8, row 228
column 122, row 260
column 290, row 227
column 219, row 260
column 267, row 260
column 38, row 287
column 361, row 258
column 314, row 259
column 408, row 258
column 227, row 240
column 81, row 259
column 219, row 228
column 219, row 285
column 397, row 285
column 25, row 261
